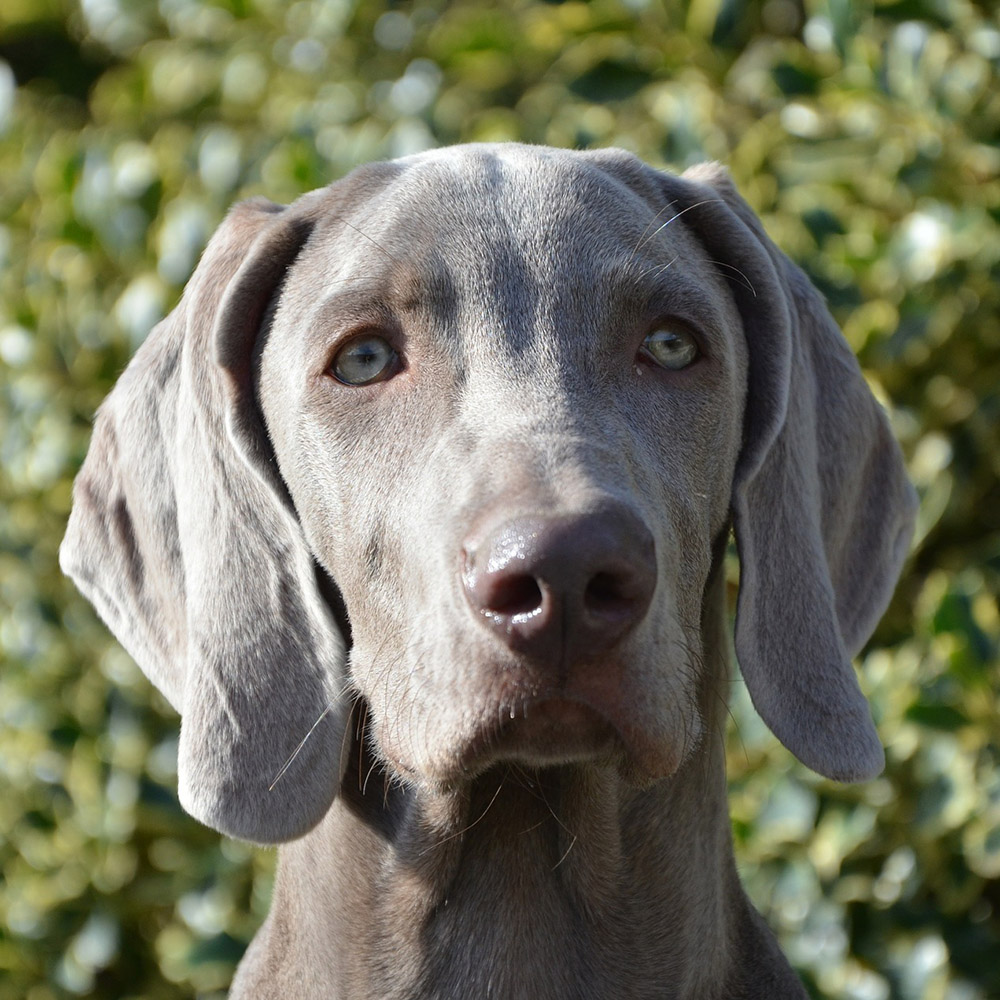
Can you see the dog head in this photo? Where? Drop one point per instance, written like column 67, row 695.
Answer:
column 503, row 403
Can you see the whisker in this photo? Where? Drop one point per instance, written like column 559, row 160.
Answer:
column 746, row 283
column 642, row 241
column 552, row 812
column 572, row 844
column 658, row 268
column 466, row 829
column 364, row 784
column 359, row 732
column 345, row 738
column 288, row 763
column 534, row 826
column 364, row 235
column 659, row 229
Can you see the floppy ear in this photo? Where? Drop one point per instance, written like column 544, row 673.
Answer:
column 184, row 539
column 822, row 509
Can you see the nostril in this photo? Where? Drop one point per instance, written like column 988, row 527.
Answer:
column 513, row 596
column 606, row 592
column 562, row 589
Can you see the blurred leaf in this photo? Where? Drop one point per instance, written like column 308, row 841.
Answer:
column 609, row 80
column 936, row 716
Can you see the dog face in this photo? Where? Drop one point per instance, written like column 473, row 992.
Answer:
column 518, row 389
column 510, row 400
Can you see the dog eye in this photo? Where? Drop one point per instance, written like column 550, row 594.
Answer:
column 671, row 347
column 363, row 360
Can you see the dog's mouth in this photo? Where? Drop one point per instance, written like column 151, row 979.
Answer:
column 543, row 732
column 535, row 733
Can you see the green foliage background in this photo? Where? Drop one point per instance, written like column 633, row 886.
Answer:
column 865, row 134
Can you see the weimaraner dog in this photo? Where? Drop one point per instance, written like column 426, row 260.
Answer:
column 416, row 509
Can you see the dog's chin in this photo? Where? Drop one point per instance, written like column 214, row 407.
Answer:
column 546, row 732
column 551, row 730
column 536, row 733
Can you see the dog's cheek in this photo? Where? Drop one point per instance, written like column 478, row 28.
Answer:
column 665, row 662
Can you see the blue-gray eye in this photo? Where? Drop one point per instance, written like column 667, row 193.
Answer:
column 671, row 347
column 363, row 360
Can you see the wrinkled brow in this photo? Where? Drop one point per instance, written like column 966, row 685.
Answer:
column 379, row 296
column 639, row 282
column 657, row 283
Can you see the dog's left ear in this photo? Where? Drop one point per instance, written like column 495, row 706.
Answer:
column 822, row 509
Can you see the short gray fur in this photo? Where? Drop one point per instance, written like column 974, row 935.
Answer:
column 238, row 507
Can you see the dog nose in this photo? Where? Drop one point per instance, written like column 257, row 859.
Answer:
column 561, row 589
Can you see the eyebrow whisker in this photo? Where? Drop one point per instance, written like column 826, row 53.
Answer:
column 746, row 282
column 644, row 239
column 372, row 240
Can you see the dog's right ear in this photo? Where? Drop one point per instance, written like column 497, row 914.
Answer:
column 183, row 537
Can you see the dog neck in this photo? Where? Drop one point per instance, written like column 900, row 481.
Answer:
column 554, row 884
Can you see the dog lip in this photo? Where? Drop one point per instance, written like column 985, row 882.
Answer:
column 545, row 731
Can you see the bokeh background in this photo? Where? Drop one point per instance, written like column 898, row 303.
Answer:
column 866, row 136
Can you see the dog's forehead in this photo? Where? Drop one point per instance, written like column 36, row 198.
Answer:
column 536, row 189
column 475, row 222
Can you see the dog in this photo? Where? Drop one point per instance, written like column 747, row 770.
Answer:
column 416, row 508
